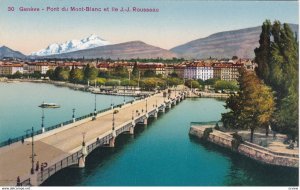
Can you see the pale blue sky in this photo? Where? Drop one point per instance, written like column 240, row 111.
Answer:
column 176, row 23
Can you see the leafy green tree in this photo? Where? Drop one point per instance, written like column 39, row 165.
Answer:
column 192, row 84
column 64, row 75
column 36, row 74
column 149, row 73
column 135, row 70
column 127, row 82
column 253, row 107
column 17, row 75
column 57, row 72
column 78, row 75
column 262, row 53
column 222, row 85
column 90, row 73
column 174, row 81
column 174, row 75
column 50, row 74
column 120, row 72
column 112, row 82
column 281, row 73
column 211, row 81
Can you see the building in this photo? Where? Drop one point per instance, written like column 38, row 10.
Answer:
column 199, row 70
column 10, row 69
column 227, row 71
column 158, row 68
column 179, row 70
column 41, row 67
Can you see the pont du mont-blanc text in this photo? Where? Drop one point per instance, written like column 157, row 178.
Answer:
column 83, row 9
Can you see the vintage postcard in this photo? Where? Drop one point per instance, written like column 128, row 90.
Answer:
column 120, row 93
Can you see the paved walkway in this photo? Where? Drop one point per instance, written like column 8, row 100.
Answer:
column 15, row 159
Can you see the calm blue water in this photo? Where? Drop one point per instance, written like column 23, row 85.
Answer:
column 161, row 154
column 19, row 109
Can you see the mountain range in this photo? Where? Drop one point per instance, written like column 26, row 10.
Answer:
column 127, row 50
column 7, row 52
column 73, row 45
column 226, row 44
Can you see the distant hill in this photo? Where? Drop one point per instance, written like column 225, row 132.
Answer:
column 6, row 52
column 224, row 44
column 128, row 50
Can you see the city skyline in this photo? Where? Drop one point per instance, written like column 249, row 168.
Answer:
column 177, row 22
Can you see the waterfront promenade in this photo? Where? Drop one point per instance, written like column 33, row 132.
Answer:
column 274, row 155
column 63, row 147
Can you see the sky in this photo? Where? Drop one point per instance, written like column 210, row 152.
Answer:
column 177, row 22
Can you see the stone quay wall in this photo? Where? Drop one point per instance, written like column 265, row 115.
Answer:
column 248, row 149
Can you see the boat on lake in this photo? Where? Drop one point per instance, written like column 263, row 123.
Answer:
column 49, row 105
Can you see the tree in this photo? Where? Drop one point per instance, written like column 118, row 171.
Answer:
column 57, row 72
column 262, row 53
column 149, row 73
column 90, row 73
column 135, row 70
column 17, row 75
column 253, row 107
column 50, row 74
column 121, row 72
column 281, row 73
column 228, row 85
column 77, row 75
column 192, row 84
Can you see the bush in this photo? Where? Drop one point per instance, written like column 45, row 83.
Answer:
column 217, row 127
column 206, row 133
column 236, row 141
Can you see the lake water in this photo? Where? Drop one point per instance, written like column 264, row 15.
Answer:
column 160, row 154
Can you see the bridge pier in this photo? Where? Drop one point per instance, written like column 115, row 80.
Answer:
column 81, row 162
column 170, row 105
column 155, row 115
column 74, row 120
column 131, row 130
column 112, row 140
column 145, row 121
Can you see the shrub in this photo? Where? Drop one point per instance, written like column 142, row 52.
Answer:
column 206, row 133
column 236, row 141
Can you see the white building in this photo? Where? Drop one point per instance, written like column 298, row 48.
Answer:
column 199, row 70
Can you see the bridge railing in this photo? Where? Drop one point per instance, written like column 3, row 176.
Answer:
column 72, row 159
column 206, row 123
column 49, row 171
column 26, row 182
column 16, row 139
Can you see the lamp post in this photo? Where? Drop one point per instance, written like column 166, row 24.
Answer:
column 95, row 108
column 124, row 94
column 132, row 117
column 146, row 106
column 32, row 152
column 73, row 115
column 113, row 121
column 43, row 117
column 83, row 138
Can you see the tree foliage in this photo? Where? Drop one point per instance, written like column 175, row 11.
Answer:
column 253, row 107
column 277, row 61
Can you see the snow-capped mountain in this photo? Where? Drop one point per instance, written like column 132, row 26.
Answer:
column 72, row 45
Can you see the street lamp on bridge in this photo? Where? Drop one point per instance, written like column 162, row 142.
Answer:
column 146, row 106
column 32, row 152
column 73, row 115
column 43, row 117
column 95, row 108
